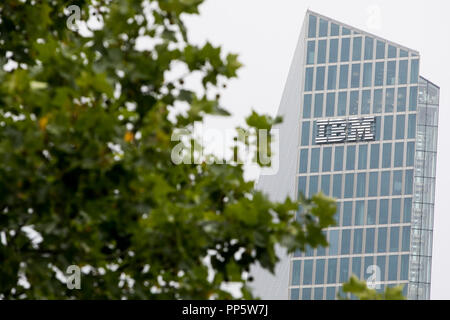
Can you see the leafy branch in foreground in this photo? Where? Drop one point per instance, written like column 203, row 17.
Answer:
column 362, row 292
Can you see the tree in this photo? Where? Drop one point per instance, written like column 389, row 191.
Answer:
column 86, row 176
column 360, row 290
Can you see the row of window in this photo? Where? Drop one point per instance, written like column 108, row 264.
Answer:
column 322, row 159
column 366, row 184
column 388, row 126
column 327, row 51
column 358, row 102
column 373, row 212
column 326, row 29
column 339, row 79
column 329, row 292
column 362, row 240
column 326, row 270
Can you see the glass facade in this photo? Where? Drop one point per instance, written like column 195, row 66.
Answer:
column 384, row 188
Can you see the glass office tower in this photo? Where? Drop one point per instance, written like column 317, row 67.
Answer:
column 366, row 129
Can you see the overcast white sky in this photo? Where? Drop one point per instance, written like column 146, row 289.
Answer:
column 265, row 32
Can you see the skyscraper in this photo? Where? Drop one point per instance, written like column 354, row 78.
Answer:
column 360, row 125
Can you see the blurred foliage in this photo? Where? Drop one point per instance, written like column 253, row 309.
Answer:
column 86, row 176
column 359, row 289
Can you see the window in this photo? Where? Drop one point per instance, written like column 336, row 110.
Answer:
column 377, row 101
column 354, row 102
column 392, row 52
column 412, row 98
column 332, row 269
column 400, row 127
column 331, row 293
column 403, row 53
column 395, row 212
column 309, row 79
column 334, row 242
column 343, row 77
column 325, row 184
column 361, row 185
column 347, row 214
column 407, row 208
column 414, row 71
column 357, row 42
column 342, row 104
column 326, row 165
column 362, row 157
column 382, row 239
column 345, row 31
column 312, row 31
column 330, row 104
column 365, row 103
column 368, row 49
column 302, row 185
column 389, row 105
column 320, row 270
column 313, row 185
column 311, row 52
column 357, row 241
column 348, row 193
column 356, row 69
column 322, row 53
column 307, row 106
column 295, row 294
column 391, row 72
column 344, row 266
column 410, row 154
column 359, row 212
column 350, row 161
column 387, row 135
column 303, row 161
column 392, row 270
column 411, row 126
column 401, row 99
column 334, row 29
column 381, row 263
column 367, row 78
column 409, row 180
column 371, row 212
column 386, row 160
column 306, row 294
column 385, row 183
column 406, row 234
column 345, row 49
column 333, row 55
column 296, row 273
column 307, row 272
column 398, row 154
column 320, row 78
column 404, row 267
column 345, row 242
column 337, row 186
column 323, row 28
column 380, row 49
column 370, row 240
column 374, row 156
column 393, row 243
column 305, row 133
column 379, row 73
column 403, row 72
column 315, row 160
column 384, row 211
column 356, row 266
column 332, row 77
column 373, row 184
column 318, row 293
column 338, row 158
column 368, row 261
column 318, row 105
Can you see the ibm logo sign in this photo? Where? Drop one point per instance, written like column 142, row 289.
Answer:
column 345, row 130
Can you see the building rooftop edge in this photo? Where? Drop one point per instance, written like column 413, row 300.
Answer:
column 362, row 31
